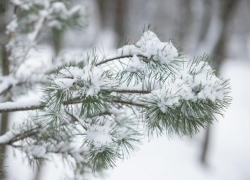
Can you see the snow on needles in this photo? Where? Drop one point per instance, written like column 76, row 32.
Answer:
column 196, row 81
column 87, row 81
column 151, row 47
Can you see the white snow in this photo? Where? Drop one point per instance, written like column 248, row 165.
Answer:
column 6, row 137
column 6, row 82
column 20, row 104
column 65, row 83
column 135, row 64
column 34, row 150
column 150, row 46
column 99, row 135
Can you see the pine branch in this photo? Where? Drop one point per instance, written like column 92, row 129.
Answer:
column 16, row 106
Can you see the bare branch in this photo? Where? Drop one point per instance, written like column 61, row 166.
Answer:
column 131, row 91
column 130, row 103
column 118, row 57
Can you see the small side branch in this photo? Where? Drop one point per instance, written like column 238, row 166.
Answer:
column 25, row 108
column 118, row 57
column 129, row 103
column 20, row 136
column 29, row 105
column 131, row 91
column 75, row 119
column 34, row 105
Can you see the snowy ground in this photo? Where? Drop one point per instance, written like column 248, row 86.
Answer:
column 178, row 159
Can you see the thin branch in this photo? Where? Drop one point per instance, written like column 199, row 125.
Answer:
column 35, row 130
column 25, row 108
column 116, row 58
column 22, row 135
column 129, row 103
column 20, row 84
column 76, row 119
column 32, row 107
column 71, row 101
column 131, row 91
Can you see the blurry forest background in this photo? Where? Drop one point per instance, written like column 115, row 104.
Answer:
column 217, row 27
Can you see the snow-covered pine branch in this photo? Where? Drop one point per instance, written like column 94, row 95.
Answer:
column 31, row 18
column 107, row 102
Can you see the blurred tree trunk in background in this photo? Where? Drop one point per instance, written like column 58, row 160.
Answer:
column 4, row 116
column 57, row 41
column 57, row 36
column 113, row 13
column 105, row 10
column 3, row 10
column 227, row 11
column 121, row 20
column 206, row 19
column 5, row 71
column 186, row 20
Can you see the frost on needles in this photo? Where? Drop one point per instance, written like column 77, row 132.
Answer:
column 109, row 103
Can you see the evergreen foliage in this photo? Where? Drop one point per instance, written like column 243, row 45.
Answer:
column 97, row 109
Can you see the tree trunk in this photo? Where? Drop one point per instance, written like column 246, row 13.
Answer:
column 57, row 40
column 5, row 116
column 227, row 10
column 121, row 20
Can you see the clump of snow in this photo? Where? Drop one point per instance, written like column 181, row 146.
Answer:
column 88, row 81
column 12, row 26
column 164, row 103
column 196, row 81
column 59, row 10
column 71, row 72
column 7, row 137
column 150, row 46
column 6, row 82
column 65, row 82
column 35, row 150
column 92, row 80
column 201, row 82
column 135, row 64
column 99, row 135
